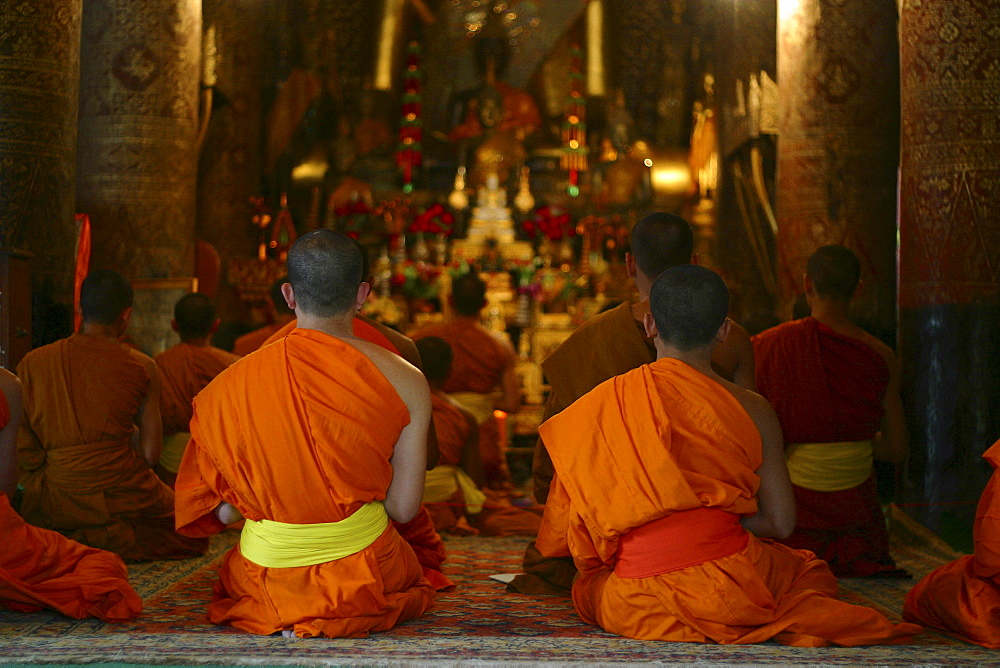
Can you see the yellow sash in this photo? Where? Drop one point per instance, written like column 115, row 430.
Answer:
column 442, row 481
column 279, row 545
column 829, row 467
column 480, row 405
column 173, row 450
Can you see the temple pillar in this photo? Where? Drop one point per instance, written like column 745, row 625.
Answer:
column 838, row 146
column 136, row 163
column 949, row 272
column 39, row 61
column 230, row 162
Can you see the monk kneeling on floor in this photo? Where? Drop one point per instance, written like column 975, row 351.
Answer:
column 453, row 490
column 185, row 370
column 317, row 440
column 92, row 434
column 962, row 598
column 40, row 568
column 669, row 478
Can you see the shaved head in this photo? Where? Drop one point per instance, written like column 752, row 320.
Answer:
column 195, row 316
column 834, row 271
column 689, row 304
column 325, row 270
column 468, row 292
column 661, row 241
column 104, row 296
column 436, row 356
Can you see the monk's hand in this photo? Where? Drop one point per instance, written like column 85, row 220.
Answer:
column 227, row 513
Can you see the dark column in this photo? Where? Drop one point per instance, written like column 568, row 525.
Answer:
column 230, row 162
column 136, row 169
column 39, row 65
column 838, row 146
column 949, row 274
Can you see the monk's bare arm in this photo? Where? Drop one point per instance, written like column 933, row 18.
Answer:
column 409, row 456
column 227, row 513
column 892, row 442
column 408, row 351
column 733, row 358
column 11, row 387
column 510, row 386
column 148, row 419
column 775, row 516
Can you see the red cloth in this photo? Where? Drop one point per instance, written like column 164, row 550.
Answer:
column 962, row 598
column 827, row 388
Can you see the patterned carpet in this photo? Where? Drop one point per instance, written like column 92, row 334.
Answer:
column 476, row 623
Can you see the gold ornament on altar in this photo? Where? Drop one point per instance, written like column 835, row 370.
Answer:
column 524, row 201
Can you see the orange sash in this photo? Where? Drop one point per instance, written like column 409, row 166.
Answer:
column 685, row 538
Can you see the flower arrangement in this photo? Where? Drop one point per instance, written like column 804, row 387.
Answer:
column 417, row 280
column 351, row 217
column 549, row 222
column 434, row 220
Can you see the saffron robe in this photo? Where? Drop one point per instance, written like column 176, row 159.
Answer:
column 185, row 370
column 478, row 361
column 606, row 345
column 498, row 517
column 668, row 439
column 418, row 532
column 42, row 569
column 301, row 432
column 829, row 388
column 962, row 598
column 81, row 476
column 246, row 344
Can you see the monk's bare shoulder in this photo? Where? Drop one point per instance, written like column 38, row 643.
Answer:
column 733, row 358
column 9, row 385
column 758, row 408
column 404, row 376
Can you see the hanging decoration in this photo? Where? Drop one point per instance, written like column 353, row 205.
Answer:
column 283, row 233
column 409, row 152
column 574, row 130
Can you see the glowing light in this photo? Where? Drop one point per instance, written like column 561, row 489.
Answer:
column 407, row 140
column 671, row 178
column 574, row 143
column 788, row 8
column 499, row 414
column 573, row 191
column 574, row 119
column 412, row 117
column 647, row 162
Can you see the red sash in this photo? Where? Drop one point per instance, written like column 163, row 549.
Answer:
column 685, row 538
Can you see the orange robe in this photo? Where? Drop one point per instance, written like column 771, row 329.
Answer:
column 185, row 370
column 311, row 446
column 42, row 569
column 962, row 598
column 418, row 532
column 246, row 344
column 80, row 474
column 606, row 345
column 632, row 457
column 498, row 516
column 829, row 388
column 478, row 361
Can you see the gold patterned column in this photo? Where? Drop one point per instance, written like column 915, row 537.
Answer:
column 39, row 57
column 230, row 164
column 949, row 271
column 838, row 147
column 136, row 167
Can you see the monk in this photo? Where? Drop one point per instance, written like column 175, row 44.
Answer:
column 482, row 362
column 419, row 532
column 452, row 489
column 92, row 433
column 279, row 315
column 835, row 389
column 962, row 598
column 610, row 344
column 669, row 481
column 41, row 569
column 185, row 370
column 327, row 448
